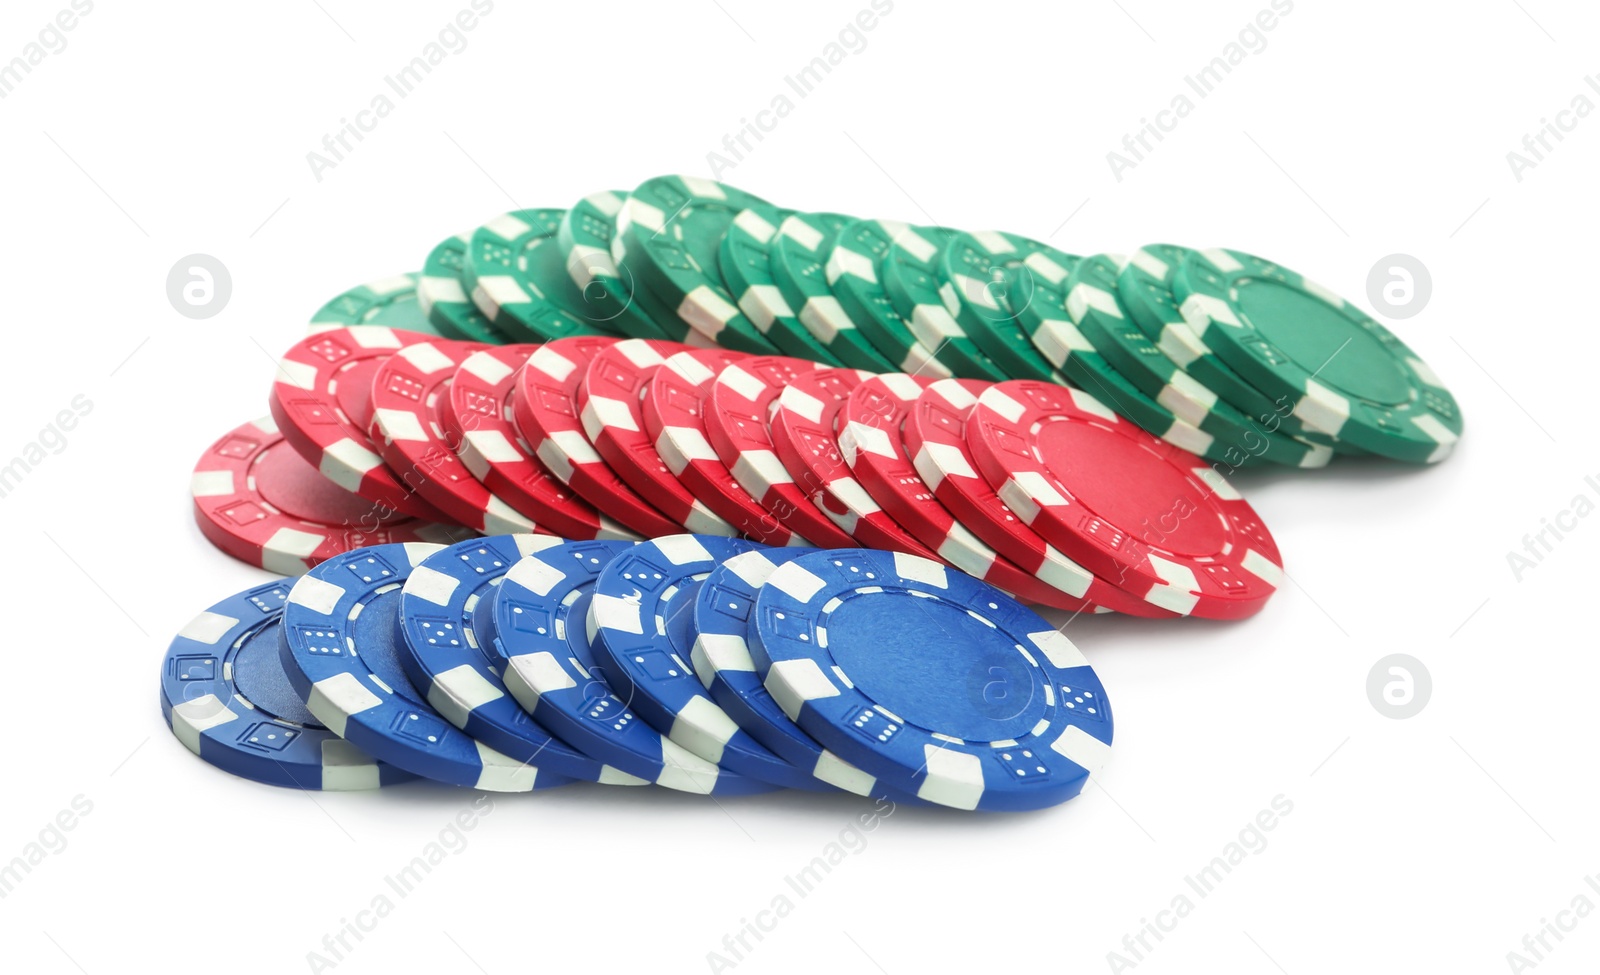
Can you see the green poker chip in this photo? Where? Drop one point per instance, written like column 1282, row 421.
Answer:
column 911, row 279
column 745, row 257
column 1122, row 344
column 855, row 270
column 1055, row 333
column 669, row 233
column 799, row 256
column 610, row 296
column 391, row 302
column 445, row 298
column 1145, row 287
column 981, row 275
column 510, row 262
column 1347, row 375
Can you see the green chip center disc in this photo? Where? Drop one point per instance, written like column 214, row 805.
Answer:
column 1320, row 338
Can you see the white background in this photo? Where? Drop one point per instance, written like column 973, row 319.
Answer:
column 1362, row 129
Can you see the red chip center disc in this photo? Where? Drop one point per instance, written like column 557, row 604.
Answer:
column 1135, row 490
column 285, row 481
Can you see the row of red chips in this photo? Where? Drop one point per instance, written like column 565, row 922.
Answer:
column 1035, row 487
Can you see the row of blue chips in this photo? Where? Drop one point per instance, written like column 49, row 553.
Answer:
column 703, row 664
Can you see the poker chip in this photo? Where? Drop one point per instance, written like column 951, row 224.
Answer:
column 1057, row 336
column 1094, row 303
column 545, row 640
column 742, row 398
column 855, row 269
column 409, row 393
column 980, row 274
column 391, row 302
column 805, row 435
column 544, row 406
column 721, row 659
column 936, row 437
column 321, row 400
column 511, row 263
column 1145, row 287
column 1347, row 375
column 478, row 417
column 225, row 695
column 745, row 259
column 612, row 298
column 643, row 612
column 340, row 647
column 447, row 653
column 671, row 228
column 911, row 279
column 675, row 405
column 608, row 402
column 798, row 260
column 443, row 295
column 1129, row 506
column 847, row 640
column 872, row 442
column 260, row 502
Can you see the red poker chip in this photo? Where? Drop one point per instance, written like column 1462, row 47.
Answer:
column 613, row 418
column 322, row 402
column 1123, row 502
column 478, row 417
column 258, row 500
column 806, row 439
column 935, row 434
column 873, row 444
column 674, row 414
column 544, row 406
column 736, row 418
column 409, row 392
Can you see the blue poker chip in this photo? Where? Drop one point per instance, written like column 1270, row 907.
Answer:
column 340, row 645
column 446, row 652
column 643, row 612
column 938, row 683
column 544, row 634
column 225, row 695
column 721, row 660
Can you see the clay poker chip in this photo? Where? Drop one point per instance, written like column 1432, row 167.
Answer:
column 935, row 433
column 478, row 417
column 804, row 433
column 643, row 618
column 341, row 647
column 674, row 411
column 322, row 401
column 408, row 395
column 741, row 400
column 873, row 444
column 258, row 500
column 545, row 407
column 847, row 643
column 609, row 405
column 1123, row 502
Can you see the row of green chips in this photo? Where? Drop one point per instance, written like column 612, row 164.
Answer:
column 1232, row 357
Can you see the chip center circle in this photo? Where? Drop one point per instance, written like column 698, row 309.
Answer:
column 375, row 630
column 301, row 491
column 259, row 677
column 934, row 665
column 352, row 389
column 1326, row 341
column 1131, row 488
